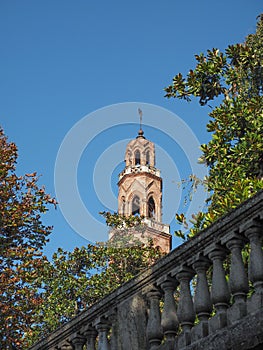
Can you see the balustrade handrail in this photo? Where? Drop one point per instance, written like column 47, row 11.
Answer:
column 203, row 244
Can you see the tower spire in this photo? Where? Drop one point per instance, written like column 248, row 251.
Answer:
column 140, row 132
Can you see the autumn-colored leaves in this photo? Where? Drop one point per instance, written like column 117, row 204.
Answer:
column 22, row 236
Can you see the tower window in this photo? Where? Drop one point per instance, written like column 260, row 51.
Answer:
column 137, row 158
column 151, row 208
column 136, row 206
column 147, row 157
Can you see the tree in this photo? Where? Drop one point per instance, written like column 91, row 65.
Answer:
column 73, row 281
column 234, row 155
column 22, row 236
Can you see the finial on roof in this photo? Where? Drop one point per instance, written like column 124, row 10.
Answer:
column 140, row 132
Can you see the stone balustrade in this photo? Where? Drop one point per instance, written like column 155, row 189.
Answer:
column 202, row 295
column 134, row 169
column 156, row 225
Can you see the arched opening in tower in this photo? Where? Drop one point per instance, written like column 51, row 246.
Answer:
column 137, row 158
column 136, row 206
column 151, row 208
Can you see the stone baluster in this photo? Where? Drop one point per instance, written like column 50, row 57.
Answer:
column 202, row 299
column 103, row 328
column 91, row 335
column 254, row 234
column 154, row 330
column 220, row 292
column 186, row 312
column 169, row 322
column 238, row 280
column 78, row 341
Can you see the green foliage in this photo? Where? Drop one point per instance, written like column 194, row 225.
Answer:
column 119, row 221
column 124, row 229
column 22, row 236
column 234, row 155
column 73, row 281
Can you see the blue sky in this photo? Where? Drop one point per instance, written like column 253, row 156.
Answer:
column 64, row 60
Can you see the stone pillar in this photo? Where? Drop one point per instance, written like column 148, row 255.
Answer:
column 202, row 299
column 169, row 322
column 254, row 234
column 154, row 330
column 220, row 291
column 238, row 281
column 186, row 312
column 112, row 317
column 129, row 324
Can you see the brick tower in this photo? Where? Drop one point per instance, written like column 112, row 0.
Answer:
column 140, row 191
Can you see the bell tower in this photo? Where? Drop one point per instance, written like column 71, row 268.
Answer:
column 140, row 191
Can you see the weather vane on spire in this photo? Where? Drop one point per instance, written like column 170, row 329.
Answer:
column 140, row 114
column 140, row 132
